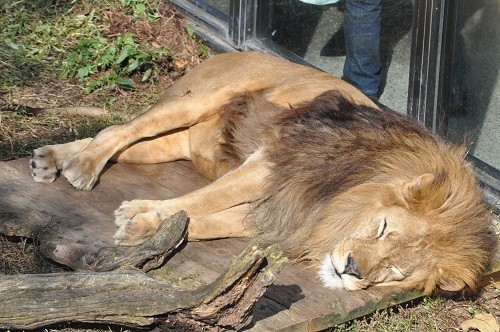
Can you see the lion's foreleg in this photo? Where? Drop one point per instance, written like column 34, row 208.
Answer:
column 224, row 224
column 138, row 219
column 241, row 185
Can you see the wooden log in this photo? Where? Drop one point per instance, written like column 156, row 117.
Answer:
column 146, row 256
column 132, row 298
column 23, row 223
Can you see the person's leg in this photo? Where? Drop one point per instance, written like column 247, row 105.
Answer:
column 362, row 66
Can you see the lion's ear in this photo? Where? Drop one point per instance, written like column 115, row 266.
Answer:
column 425, row 192
column 414, row 192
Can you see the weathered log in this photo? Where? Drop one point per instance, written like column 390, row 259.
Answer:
column 148, row 255
column 24, row 223
column 132, row 298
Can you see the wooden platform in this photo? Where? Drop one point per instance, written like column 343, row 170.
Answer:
column 297, row 301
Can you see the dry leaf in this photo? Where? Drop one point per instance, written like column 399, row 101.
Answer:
column 482, row 323
column 180, row 64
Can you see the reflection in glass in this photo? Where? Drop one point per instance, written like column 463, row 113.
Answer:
column 316, row 34
column 474, row 110
column 218, row 8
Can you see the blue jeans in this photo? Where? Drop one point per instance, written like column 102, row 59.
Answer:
column 362, row 67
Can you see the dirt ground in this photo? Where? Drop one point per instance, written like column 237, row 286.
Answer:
column 19, row 134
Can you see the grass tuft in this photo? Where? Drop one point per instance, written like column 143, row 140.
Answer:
column 115, row 54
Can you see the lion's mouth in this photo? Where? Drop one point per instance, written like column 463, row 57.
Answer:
column 336, row 272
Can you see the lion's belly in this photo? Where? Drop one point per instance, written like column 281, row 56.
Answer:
column 204, row 146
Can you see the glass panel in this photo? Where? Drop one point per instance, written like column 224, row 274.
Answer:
column 222, row 5
column 317, row 33
column 474, row 111
column 218, row 8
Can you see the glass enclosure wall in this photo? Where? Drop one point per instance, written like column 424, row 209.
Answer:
column 218, row 8
column 315, row 33
column 474, row 109
column 440, row 58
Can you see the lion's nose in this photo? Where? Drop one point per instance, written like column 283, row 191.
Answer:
column 351, row 267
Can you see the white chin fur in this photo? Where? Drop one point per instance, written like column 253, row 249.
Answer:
column 330, row 277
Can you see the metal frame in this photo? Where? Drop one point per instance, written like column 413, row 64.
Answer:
column 241, row 22
column 210, row 25
column 431, row 62
column 489, row 178
column 431, row 66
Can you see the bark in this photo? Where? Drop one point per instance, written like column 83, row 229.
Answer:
column 132, row 298
column 147, row 255
column 42, row 226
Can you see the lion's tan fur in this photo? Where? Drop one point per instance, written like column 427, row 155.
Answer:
column 322, row 173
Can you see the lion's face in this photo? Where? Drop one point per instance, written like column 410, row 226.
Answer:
column 370, row 256
column 408, row 235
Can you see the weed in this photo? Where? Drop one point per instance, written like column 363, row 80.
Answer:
column 111, row 62
column 72, row 43
column 203, row 50
column 399, row 318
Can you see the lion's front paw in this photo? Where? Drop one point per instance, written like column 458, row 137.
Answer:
column 43, row 165
column 138, row 220
column 81, row 171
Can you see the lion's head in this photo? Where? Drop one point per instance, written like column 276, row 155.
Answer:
column 372, row 198
column 398, row 237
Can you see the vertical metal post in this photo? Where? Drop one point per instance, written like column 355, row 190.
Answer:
column 241, row 22
column 431, row 62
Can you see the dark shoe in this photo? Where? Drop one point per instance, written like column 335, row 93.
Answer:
column 336, row 45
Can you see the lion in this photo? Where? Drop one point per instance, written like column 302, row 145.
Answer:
column 300, row 158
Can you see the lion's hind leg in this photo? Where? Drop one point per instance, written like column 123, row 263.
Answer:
column 163, row 148
column 46, row 162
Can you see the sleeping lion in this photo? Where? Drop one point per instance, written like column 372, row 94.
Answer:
column 303, row 159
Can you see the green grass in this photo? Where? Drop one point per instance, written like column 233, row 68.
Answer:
column 71, row 53
column 400, row 318
column 44, row 38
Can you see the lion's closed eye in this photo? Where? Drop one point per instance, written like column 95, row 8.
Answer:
column 381, row 228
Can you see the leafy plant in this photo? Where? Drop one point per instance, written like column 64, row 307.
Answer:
column 101, row 63
column 141, row 8
column 202, row 47
column 72, row 45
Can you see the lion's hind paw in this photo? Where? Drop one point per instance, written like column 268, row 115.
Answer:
column 80, row 172
column 43, row 165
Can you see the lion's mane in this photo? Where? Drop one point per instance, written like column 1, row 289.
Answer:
column 321, row 149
